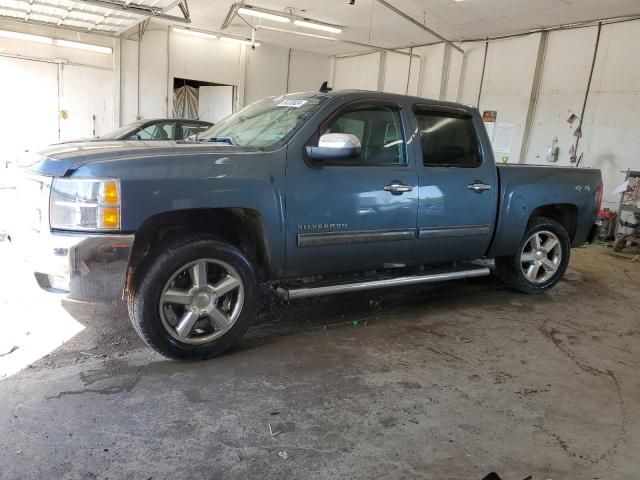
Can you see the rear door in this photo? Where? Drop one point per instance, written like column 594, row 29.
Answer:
column 356, row 214
column 457, row 186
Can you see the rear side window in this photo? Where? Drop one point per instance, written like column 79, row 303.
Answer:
column 192, row 128
column 379, row 129
column 447, row 140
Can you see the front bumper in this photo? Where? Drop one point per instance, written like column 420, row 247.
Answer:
column 89, row 267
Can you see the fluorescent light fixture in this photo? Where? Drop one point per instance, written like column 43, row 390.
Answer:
column 262, row 14
column 52, row 41
column 27, row 37
column 195, row 33
column 84, row 46
column 317, row 26
column 241, row 41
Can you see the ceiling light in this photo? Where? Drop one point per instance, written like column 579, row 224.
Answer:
column 242, row 41
column 317, row 26
column 52, row 41
column 195, row 33
column 84, row 46
column 27, row 37
column 262, row 14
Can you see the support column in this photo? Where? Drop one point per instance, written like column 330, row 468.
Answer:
column 533, row 98
column 446, row 66
column 381, row 70
column 117, row 79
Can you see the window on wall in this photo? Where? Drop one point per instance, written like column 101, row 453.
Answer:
column 379, row 129
column 447, row 140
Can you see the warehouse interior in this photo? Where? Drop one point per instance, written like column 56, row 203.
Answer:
column 442, row 381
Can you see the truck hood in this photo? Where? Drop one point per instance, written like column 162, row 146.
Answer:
column 63, row 159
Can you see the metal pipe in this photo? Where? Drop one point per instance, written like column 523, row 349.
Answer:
column 378, row 284
column 334, row 39
column 588, row 90
column 484, row 69
column 418, row 24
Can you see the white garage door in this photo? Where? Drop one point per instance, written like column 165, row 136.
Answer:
column 43, row 103
column 29, row 100
column 86, row 98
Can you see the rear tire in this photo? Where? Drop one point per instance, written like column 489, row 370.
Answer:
column 194, row 298
column 542, row 258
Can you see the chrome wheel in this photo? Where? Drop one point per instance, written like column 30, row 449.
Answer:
column 201, row 301
column 541, row 257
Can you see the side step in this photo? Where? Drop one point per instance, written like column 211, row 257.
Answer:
column 293, row 294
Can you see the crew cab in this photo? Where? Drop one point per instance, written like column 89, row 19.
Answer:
column 297, row 196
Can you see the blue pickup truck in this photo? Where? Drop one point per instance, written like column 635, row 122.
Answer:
column 296, row 196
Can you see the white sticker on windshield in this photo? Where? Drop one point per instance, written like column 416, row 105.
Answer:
column 291, row 103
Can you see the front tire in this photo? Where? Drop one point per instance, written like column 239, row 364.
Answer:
column 194, row 298
column 542, row 258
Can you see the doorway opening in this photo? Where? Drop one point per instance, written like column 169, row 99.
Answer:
column 198, row 100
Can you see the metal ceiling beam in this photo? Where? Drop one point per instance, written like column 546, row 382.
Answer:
column 418, row 24
column 136, row 10
column 60, row 18
column 85, row 12
column 105, row 33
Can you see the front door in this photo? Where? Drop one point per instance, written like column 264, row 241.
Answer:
column 457, row 187
column 355, row 214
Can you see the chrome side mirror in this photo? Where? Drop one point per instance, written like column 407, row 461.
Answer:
column 335, row 146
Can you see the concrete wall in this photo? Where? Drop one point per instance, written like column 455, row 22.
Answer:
column 266, row 72
column 611, row 127
column 507, row 86
column 361, row 72
column 563, row 86
column 307, row 71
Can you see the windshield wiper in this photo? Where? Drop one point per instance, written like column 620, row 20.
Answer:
column 225, row 139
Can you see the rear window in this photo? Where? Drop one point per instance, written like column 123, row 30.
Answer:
column 447, row 140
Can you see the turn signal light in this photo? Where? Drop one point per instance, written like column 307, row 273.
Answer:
column 110, row 217
column 110, row 193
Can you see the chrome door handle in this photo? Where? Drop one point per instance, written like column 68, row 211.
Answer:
column 479, row 187
column 398, row 188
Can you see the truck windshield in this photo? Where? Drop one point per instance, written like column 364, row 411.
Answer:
column 264, row 123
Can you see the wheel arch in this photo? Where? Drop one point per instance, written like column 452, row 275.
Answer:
column 242, row 227
column 566, row 214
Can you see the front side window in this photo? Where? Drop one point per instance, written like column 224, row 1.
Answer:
column 122, row 133
column 379, row 129
column 448, row 140
column 265, row 123
column 158, row 131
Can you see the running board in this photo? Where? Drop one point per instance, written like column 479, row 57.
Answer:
column 293, row 294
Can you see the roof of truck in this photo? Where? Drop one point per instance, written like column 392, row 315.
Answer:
column 389, row 96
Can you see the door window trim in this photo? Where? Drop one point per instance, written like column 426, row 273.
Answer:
column 315, row 138
column 455, row 113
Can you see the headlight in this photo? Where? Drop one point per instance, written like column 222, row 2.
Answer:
column 85, row 204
